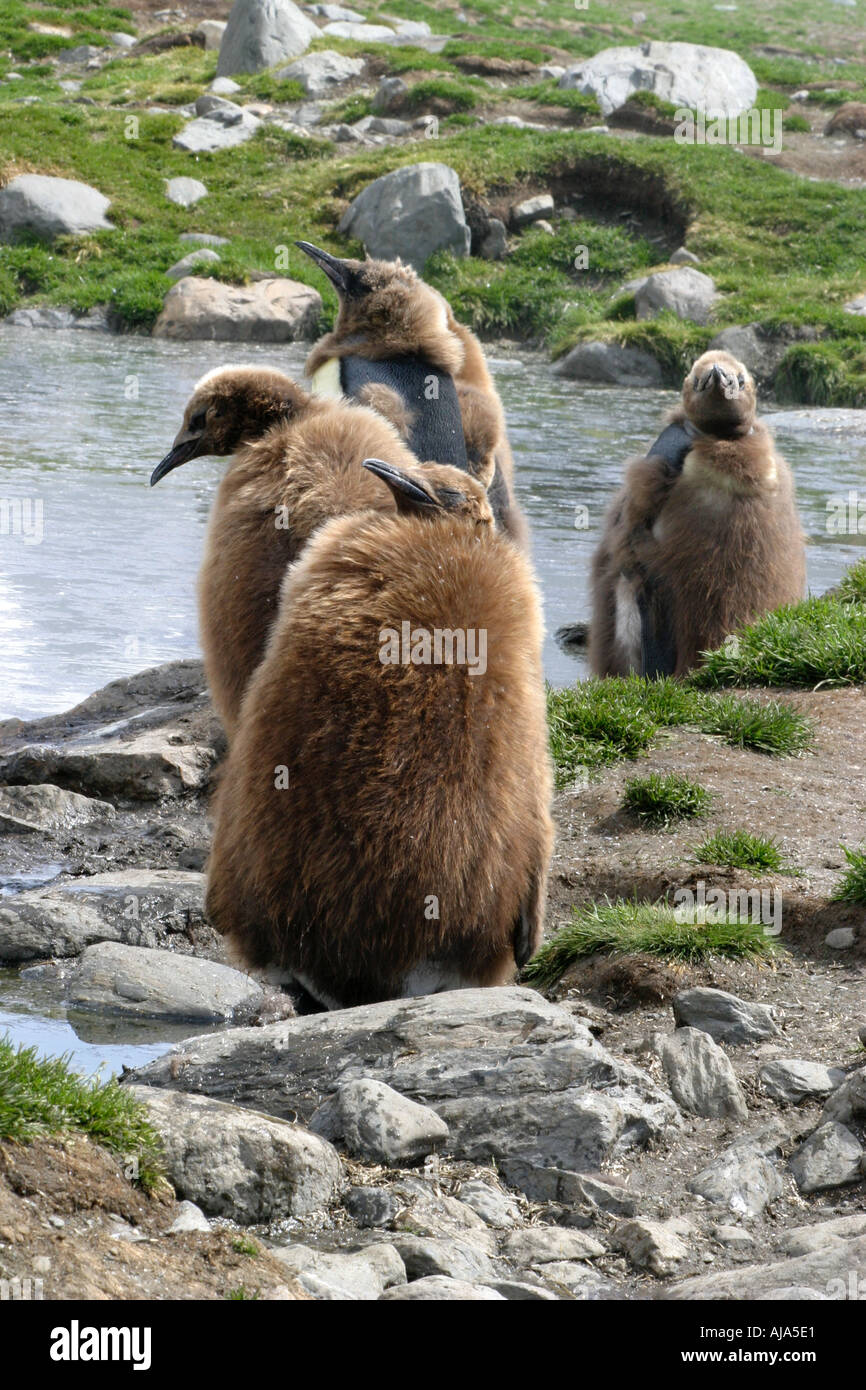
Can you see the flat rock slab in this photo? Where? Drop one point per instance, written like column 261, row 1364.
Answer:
column 821, row 1274
column 266, row 311
column 610, row 364
column 322, row 73
column 147, row 983
column 221, row 129
column 233, row 1162
column 515, row 1078
column 437, row 1288
column 49, row 810
column 377, row 1123
column 358, row 1275
column 142, row 907
column 540, row 1245
column 791, row 1082
column 725, row 1017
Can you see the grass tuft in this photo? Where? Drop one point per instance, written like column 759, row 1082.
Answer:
column 851, row 888
column 852, row 586
column 660, row 799
column 656, row 929
column 40, row 1096
column 739, row 849
column 821, row 642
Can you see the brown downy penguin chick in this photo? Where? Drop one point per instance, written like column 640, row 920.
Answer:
column 392, row 327
column 297, row 463
column 703, row 537
column 382, row 821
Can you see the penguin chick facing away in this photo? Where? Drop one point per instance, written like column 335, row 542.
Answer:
column 392, row 327
column 382, row 821
column 703, row 537
column 297, row 463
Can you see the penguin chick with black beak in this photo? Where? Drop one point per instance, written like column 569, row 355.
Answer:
column 703, row 537
column 297, row 463
column 382, row 821
column 394, row 328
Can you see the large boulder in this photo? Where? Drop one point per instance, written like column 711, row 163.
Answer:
column 409, row 214
column 44, row 809
column 235, row 1163
column 261, row 33
column 828, row 1272
column 515, row 1079
column 610, row 363
column 46, row 207
column 322, row 73
column 146, row 983
column 267, row 311
column 683, row 291
column 685, row 74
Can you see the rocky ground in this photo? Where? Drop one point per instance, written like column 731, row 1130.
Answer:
column 645, row 1132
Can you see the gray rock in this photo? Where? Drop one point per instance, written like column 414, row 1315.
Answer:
column 261, row 33
column 336, row 13
column 725, row 1017
column 382, row 125
column 360, row 1275
column 701, row 1077
column 41, row 318
column 203, row 239
column 856, row 306
column 580, row 1281
column 46, row 207
column 266, row 311
column 142, row 907
column 187, row 265
column 825, row 1273
column 743, row 1178
column 438, row 1289
column 371, row 1206
column 829, row 1157
column 611, row 1198
column 80, row 56
column 213, row 32
column 686, row 292
column 378, row 1124
column 531, row 209
column 412, row 28
column 347, row 134
column 454, row 1258
column 516, row 1292
column 225, row 87
column 141, row 767
column 611, row 364
column 840, row 938
column 146, row 983
column 185, row 192
column 761, row 355
column 220, row 129
column 683, row 257
column 652, row 1245
column 424, row 1210
column 848, row 1104
column 687, row 75
column 540, row 1245
column 805, row 1240
column 793, row 1081
column 550, row 72
column 121, row 40
column 516, row 1079
column 494, row 247
column 361, row 33
column 733, row 1237
column 518, row 123
column 322, row 73
column 49, row 810
column 495, row 1207
column 390, row 93
column 189, row 1218
column 239, row 1164
column 209, row 102
column 410, row 213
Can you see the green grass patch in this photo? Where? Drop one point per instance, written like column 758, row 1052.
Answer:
column 655, row 929
column 820, row 642
column 457, row 95
column 852, row 586
column 660, row 799
column 41, row 1096
column 598, row 722
column 244, row 1245
column 739, row 849
column 851, row 888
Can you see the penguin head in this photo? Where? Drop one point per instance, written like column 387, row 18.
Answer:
column 719, row 395
column 229, row 407
column 386, row 311
column 436, row 491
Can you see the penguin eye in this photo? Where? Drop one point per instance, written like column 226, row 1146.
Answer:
column 741, row 380
column 197, row 421
column 449, row 497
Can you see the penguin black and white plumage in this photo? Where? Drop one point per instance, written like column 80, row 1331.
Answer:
column 394, row 329
column 703, row 537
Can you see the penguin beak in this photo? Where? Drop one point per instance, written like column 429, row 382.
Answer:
column 408, row 492
column 345, row 280
column 185, row 447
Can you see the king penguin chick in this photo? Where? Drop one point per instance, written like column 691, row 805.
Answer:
column 392, row 327
column 382, row 821
column 297, row 463
column 703, row 537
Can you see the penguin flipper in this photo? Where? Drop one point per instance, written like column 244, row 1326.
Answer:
column 658, row 646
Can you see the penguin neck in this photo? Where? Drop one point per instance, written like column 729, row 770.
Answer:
column 428, row 393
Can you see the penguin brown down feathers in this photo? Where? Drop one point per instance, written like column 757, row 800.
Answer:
column 297, row 463
column 396, row 314
column 716, row 545
column 409, row 848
